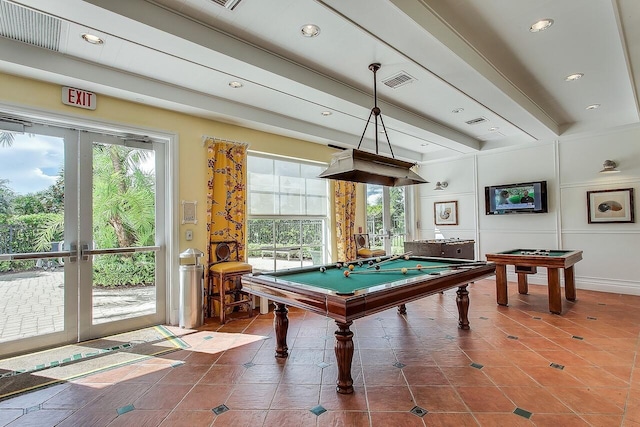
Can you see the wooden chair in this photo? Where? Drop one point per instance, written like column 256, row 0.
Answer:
column 225, row 287
column 362, row 247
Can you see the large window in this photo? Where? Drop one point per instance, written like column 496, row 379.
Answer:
column 287, row 213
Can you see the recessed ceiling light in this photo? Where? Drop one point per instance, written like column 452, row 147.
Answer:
column 234, row 84
column 326, row 113
column 457, row 110
column 573, row 77
column 310, row 30
column 493, row 129
column 593, row 106
column 91, row 38
column 541, row 25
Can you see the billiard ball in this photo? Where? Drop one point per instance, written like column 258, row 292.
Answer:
column 370, row 262
column 322, row 269
column 351, row 267
column 377, row 267
column 359, row 263
column 404, row 270
column 419, row 266
column 339, row 265
column 346, row 273
column 378, row 259
column 406, row 257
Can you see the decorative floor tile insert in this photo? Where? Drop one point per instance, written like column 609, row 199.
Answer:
column 318, row 410
column 220, row 409
column 125, row 409
column 522, row 413
column 557, row 366
column 418, row 411
column 477, row 365
column 399, row 365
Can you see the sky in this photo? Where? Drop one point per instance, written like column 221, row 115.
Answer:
column 31, row 163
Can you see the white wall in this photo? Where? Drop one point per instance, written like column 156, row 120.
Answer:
column 611, row 252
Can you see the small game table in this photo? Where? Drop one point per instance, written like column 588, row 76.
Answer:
column 325, row 290
column 526, row 262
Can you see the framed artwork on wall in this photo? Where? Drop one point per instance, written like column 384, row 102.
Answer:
column 189, row 210
column 445, row 213
column 607, row 206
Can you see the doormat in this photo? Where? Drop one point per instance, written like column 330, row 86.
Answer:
column 35, row 370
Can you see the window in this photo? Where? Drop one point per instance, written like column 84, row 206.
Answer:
column 287, row 213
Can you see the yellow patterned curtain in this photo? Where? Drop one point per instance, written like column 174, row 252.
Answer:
column 226, row 192
column 345, row 198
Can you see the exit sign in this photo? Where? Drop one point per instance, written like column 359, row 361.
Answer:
column 79, row 98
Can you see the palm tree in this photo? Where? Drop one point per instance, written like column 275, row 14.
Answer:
column 6, row 139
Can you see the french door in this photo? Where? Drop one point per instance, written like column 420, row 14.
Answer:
column 81, row 236
column 386, row 224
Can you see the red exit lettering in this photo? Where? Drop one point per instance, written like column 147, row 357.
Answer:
column 79, row 98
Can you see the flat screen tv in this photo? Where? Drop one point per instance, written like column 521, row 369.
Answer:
column 526, row 197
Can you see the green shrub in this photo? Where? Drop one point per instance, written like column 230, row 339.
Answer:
column 113, row 271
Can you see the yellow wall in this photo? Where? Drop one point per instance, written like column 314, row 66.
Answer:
column 23, row 92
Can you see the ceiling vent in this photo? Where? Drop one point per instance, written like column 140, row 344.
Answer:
column 229, row 4
column 397, row 80
column 476, row 121
column 28, row 26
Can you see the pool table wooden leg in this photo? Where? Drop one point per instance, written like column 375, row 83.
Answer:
column 281, row 326
column 501, row 284
column 344, row 357
column 462, row 299
column 555, row 296
column 523, row 284
column 569, row 284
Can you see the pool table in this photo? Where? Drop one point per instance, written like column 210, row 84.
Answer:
column 365, row 292
column 526, row 262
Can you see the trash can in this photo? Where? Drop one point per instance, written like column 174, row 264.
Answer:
column 191, row 312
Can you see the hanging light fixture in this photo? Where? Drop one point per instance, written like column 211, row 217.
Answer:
column 356, row 165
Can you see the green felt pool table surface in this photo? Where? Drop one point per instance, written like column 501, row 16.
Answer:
column 362, row 277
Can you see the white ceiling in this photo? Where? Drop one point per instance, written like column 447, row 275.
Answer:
column 478, row 55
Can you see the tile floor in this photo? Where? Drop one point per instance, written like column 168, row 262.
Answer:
column 517, row 366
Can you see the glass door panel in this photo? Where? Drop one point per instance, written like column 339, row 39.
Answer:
column 38, row 287
column 119, row 235
column 386, row 218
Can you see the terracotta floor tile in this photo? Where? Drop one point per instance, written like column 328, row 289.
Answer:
column 295, row 396
column 535, row 400
column 334, row 401
column 438, row 398
column 205, row 397
column 344, row 418
column 502, row 420
column 185, row 374
column 466, row 376
column 383, row 375
column 251, row 396
column 222, row 374
column 281, row 418
column 140, row 417
column 240, row 418
column 485, row 399
column 424, row 375
column 301, row 374
column 386, row 419
column 585, row 400
column 508, row 376
column 162, row 396
column 82, row 417
column 450, row 420
column 389, row 398
column 188, row 419
column 548, row 376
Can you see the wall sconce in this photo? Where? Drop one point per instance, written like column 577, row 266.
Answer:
column 609, row 166
column 441, row 185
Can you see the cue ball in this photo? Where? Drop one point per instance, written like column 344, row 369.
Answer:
column 339, row 265
column 404, row 270
column 377, row 267
column 322, row 269
column 351, row 267
column 346, row 273
column 419, row 266
column 378, row 259
column 406, row 257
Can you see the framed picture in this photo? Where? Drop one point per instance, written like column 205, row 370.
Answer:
column 445, row 213
column 610, row 206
